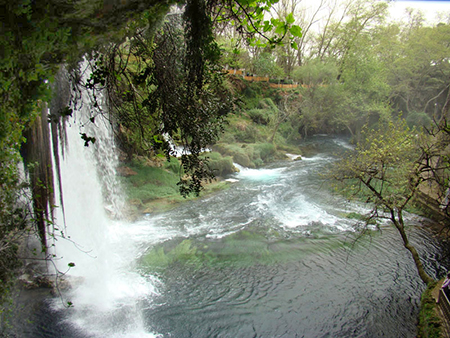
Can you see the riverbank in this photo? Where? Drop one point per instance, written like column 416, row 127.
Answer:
column 150, row 185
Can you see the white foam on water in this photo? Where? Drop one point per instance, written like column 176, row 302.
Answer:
column 293, row 156
column 317, row 158
column 344, row 144
column 259, row 174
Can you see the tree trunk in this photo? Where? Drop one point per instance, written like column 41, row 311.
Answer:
column 350, row 130
column 398, row 222
column 275, row 131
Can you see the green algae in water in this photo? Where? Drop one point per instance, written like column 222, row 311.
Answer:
column 242, row 249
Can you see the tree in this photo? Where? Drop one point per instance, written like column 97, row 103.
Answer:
column 338, row 38
column 365, row 90
column 359, row 90
column 419, row 71
column 288, row 106
column 172, row 89
column 385, row 170
column 38, row 36
column 435, row 169
column 330, row 29
column 288, row 55
column 234, row 54
column 264, row 65
column 321, row 96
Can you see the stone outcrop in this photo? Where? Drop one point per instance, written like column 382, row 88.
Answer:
column 125, row 171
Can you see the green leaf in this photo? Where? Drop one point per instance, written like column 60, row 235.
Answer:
column 281, row 29
column 290, row 19
column 250, row 28
column 275, row 22
column 267, row 26
column 294, row 45
column 71, row 264
column 296, row 31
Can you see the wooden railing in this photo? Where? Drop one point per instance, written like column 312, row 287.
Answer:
column 283, row 85
column 444, row 304
column 252, row 78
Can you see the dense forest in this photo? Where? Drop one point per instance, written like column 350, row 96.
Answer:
column 167, row 69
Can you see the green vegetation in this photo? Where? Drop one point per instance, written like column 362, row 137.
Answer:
column 260, row 131
column 252, row 155
column 150, row 183
column 153, row 186
column 163, row 77
column 429, row 322
column 220, row 166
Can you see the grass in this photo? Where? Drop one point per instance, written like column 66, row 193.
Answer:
column 154, row 188
column 150, row 183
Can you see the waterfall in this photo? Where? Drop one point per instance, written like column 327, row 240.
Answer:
column 105, row 288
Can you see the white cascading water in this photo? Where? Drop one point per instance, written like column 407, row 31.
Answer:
column 105, row 288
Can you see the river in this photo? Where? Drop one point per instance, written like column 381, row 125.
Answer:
column 274, row 255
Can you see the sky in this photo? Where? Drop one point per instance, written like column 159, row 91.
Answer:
column 397, row 9
column 429, row 8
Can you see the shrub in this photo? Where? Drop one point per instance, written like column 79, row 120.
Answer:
column 258, row 163
column 227, row 138
column 267, row 103
column 222, row 148
column 251, row 103
column 243, row 160
column 265, row 150
column 220, row 165
column 416, row 119
column 259, row 116
column 249, row 135
column 239, row 153
column 288, row 81
column 249, row 93
column 286, row 130
column 173, row 165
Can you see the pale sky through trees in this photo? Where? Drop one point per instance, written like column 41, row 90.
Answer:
column 429, row 8
column 397, row 8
